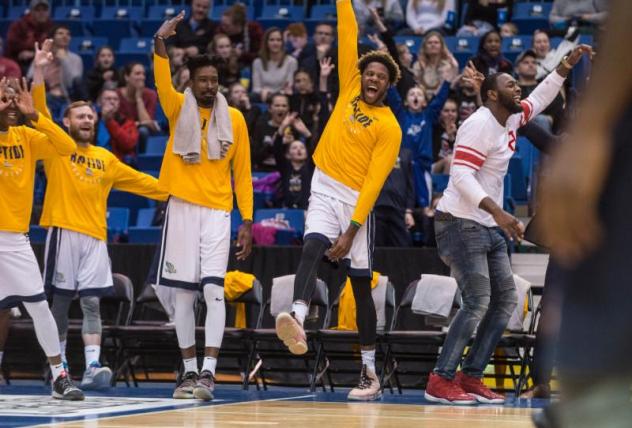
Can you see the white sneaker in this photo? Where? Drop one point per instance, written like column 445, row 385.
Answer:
column 96, row 377
column 291, row 332
column 368, row 388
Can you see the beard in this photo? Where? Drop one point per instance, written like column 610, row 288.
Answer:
column 509, row 103
column 80, row 136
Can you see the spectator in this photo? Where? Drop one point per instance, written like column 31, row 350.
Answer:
column 508, row 29
column 547, row 58
column 526, row 72
column 238, row 98
column 482, row 16
column 8, row 68
column 137, row 102
column 273, row 70
column 33, row 27
column 295, row 164
column 390, row 12
column 321, row 45
column 426, row 15
column 245, row 36
column 229, row 70
column 444, row 136
column 394, row 207
column 489, row 59
column 115, row 132
column 305, row 101
column 417, row 118
column 295, row 36
column 63, row 77
column 435, row 63
column 193, row 34
column 580, row 12
column 179, row 70
column 103, row 75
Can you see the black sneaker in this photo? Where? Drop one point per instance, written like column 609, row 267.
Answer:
column 184, row 389
column 63, row 389
column 205, row 386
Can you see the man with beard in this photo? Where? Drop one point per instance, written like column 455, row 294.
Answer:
column 76, row 256
column 469, row 227
column 21, row 282
column 355, row 155
column 207, row 146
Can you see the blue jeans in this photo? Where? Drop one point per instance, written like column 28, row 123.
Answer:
column 477, row 256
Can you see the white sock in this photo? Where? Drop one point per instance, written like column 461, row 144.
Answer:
column 62, row 345
column 368, row 359
column 190, row 365
column 215, row 316
column 56, row 370
column 209, row 364
column 92, row 353
column 300, row 310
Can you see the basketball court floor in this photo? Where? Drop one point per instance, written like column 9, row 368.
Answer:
column 152, row 406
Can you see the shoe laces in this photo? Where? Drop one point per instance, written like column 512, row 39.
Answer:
column 365, row 380
column 189, row 378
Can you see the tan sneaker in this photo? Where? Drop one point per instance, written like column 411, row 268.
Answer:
column 368, row 388
column 184, row 389
column 291, row 333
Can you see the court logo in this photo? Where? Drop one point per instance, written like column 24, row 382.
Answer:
column 170, row 268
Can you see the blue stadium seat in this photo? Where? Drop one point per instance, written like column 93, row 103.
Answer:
column 130, row 201
column 440, row 182
column 4, row 27
column 123, row 58
column 145, row 217
column 323, row 12
column 462, row 48
column 529, row 17
column 235, row 222
column 118, row 219
column 156, row 145
column 528, row 154
column 144, row 235
column 413, row 42
column 518, row 180
column 516, row 43
column 149, row 162
column 83, row 13
column 166, row 11
column 291, row 13
column 37, row 234
column 16, row 12
column 295, row 217
column 113, row 29
column 131, row 13
column 148, row 27
column 136, row 45
column 87, row 45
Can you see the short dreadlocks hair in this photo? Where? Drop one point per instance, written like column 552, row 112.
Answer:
column 394, row 74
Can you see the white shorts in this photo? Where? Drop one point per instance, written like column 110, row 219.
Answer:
column 195, row 246
column 76, row 264
column 327, row 218
column 20, row 277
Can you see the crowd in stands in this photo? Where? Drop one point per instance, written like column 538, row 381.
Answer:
column 284, row 81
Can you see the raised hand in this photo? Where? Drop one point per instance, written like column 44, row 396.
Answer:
column 574, row 57
column 287, row 121
column 24, row 101
column 472, row 76
column 168, row 28
column 44, row 55
column 326, row 67
column 300, row 126
column 378, row 42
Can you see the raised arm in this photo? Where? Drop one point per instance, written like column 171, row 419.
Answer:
column 162, row 71
column 437, row 102
column 347, row 44
column 43, row 57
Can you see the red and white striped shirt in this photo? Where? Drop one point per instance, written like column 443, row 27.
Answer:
column 482, row 152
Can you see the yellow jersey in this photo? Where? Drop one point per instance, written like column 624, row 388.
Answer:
column 360, row 143
column 207, row 183
column 20, row 148
column 79, row 185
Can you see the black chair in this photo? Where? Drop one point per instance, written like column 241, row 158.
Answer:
column 341, row 346
column 268, row 349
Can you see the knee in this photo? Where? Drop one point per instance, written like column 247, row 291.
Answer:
column 213, row 295
column 91, row 315
column 313, row 249
column 508, row 296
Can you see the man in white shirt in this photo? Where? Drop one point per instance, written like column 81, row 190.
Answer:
column 469, row 227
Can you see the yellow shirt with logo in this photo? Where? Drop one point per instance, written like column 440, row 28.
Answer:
column 20, row 148
column 79, row 185
column 207, row 183
column 361, row 142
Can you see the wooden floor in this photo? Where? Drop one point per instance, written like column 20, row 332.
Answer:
column 306, row 414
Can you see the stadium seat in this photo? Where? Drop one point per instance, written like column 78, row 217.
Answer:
column 124, row 58
column 323, row 12
column 518, row 180
column 118, row 219
column 291, row 13
column 145, row 217
column 462, row 48
column 144, row 235
column 81, row 13
column 16, row 12
column 166, row 11
column 37, row 234
column 148, row 27
column 413, row 42
column 76, row 27
column 295, row 217
column 131, row 13
column 130, row 201
column 113, row 29
column 149, row 162
column 87, row 45
column 311, row 24
column 136, row 45
column 516, row 43
column 156, row 145
column 529, row 17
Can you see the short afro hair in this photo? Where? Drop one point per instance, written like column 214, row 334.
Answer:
column 394, row 74
column 489, row 84
column 200, row 61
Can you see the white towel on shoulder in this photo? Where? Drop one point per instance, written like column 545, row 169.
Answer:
column 187, row 139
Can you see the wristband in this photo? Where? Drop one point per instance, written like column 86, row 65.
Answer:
column 356, row 224
column 158, row 36
column 565, row 63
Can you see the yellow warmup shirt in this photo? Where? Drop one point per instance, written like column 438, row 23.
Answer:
column 78, row 185
column 207, row 183
column 360, row 143
column 20, row 148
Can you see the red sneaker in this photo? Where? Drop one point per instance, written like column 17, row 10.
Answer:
column 445, row 391
column 475, row 387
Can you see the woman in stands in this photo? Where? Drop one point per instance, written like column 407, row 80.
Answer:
column 304, row 101
column 426, row 15
column 435, row 63
column 273, row 71
column 103, row 75
column 390, row 12
column 229, row 71
column 489, row 59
